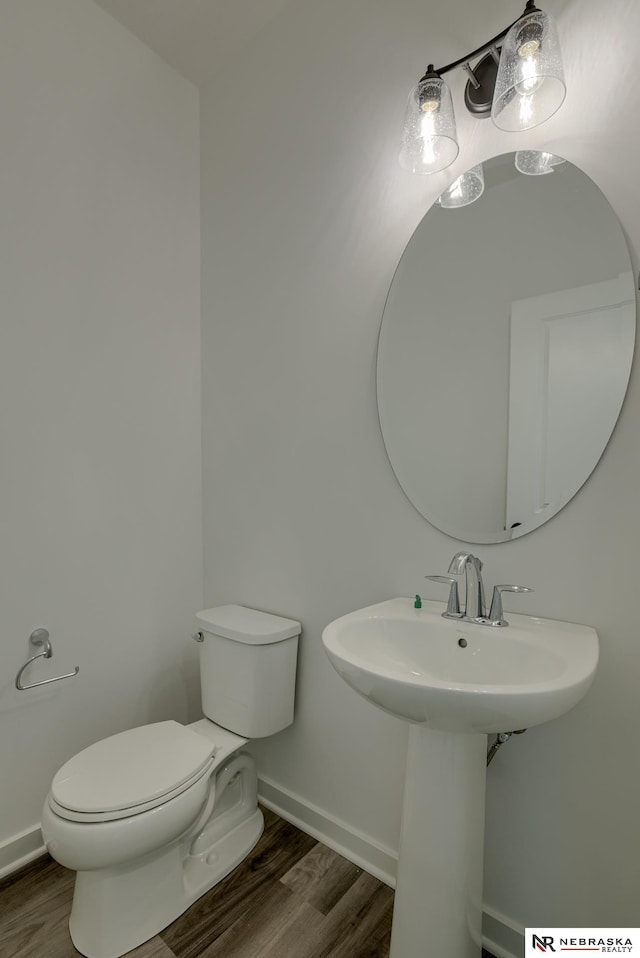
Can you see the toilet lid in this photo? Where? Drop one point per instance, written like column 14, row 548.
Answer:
column 131, row 768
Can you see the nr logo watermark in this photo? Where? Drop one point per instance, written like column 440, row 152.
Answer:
column 606, row 941
column 544, row 944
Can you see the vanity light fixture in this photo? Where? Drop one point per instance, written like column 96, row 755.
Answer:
column 518, row 81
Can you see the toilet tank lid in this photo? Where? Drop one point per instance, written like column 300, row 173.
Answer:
column 247, row 625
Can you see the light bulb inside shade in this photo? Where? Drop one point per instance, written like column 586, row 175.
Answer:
column 529, row 49
column 465, row 190
column 530, row 84
column 430, row 106
column 529, row 32
column 429, row 140
column 530, row 81
column 536, row 162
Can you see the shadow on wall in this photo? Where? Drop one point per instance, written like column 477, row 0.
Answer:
column 175, row 693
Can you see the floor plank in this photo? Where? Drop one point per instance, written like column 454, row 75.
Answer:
column 296, row 937
column 370, row 931
column 281, row 917
column 322, row 877
column 34, row 915
column 32, row 888
column 363, row 905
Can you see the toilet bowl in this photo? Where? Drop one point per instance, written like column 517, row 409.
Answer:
column 152, row 818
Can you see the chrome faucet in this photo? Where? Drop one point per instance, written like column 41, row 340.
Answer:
column 474, row 606
column 475, row 609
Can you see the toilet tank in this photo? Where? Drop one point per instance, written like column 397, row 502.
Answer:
column 248, row 669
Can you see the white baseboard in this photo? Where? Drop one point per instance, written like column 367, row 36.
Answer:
column 355, row 846
column 501, row 936
column 20, row 850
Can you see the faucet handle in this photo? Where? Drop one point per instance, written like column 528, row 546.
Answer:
column 495, row 613
column 453, row 605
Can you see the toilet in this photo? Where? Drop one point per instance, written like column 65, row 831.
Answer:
column 152, row 818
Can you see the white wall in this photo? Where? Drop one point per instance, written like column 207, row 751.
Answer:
column 100, row 514
column 305, row 215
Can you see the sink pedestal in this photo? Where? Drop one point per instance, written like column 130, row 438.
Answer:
column 438, row 904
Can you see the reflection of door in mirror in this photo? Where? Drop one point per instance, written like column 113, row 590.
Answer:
column 570, row 360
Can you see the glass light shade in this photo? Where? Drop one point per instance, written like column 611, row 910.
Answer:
column 465, row 190
column 530, row 84
column 536, row 163
column 429, row 140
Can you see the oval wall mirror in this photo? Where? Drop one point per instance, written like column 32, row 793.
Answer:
column 505, row 351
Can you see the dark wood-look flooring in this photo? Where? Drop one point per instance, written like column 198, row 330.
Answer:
column 291, row 898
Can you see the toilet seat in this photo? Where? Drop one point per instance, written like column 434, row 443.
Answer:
column 131, row 772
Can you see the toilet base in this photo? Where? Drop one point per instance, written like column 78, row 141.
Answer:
column 116, row 909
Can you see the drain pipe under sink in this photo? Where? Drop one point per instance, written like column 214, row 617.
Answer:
column 501, row 738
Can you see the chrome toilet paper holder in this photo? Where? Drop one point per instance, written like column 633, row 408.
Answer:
column 40, row 638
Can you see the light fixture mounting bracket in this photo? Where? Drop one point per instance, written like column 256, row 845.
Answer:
column 478, row 98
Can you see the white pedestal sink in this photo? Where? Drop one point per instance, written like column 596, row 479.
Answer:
column 455, row 682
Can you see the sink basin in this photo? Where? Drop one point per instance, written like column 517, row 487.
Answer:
column 459, row 676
